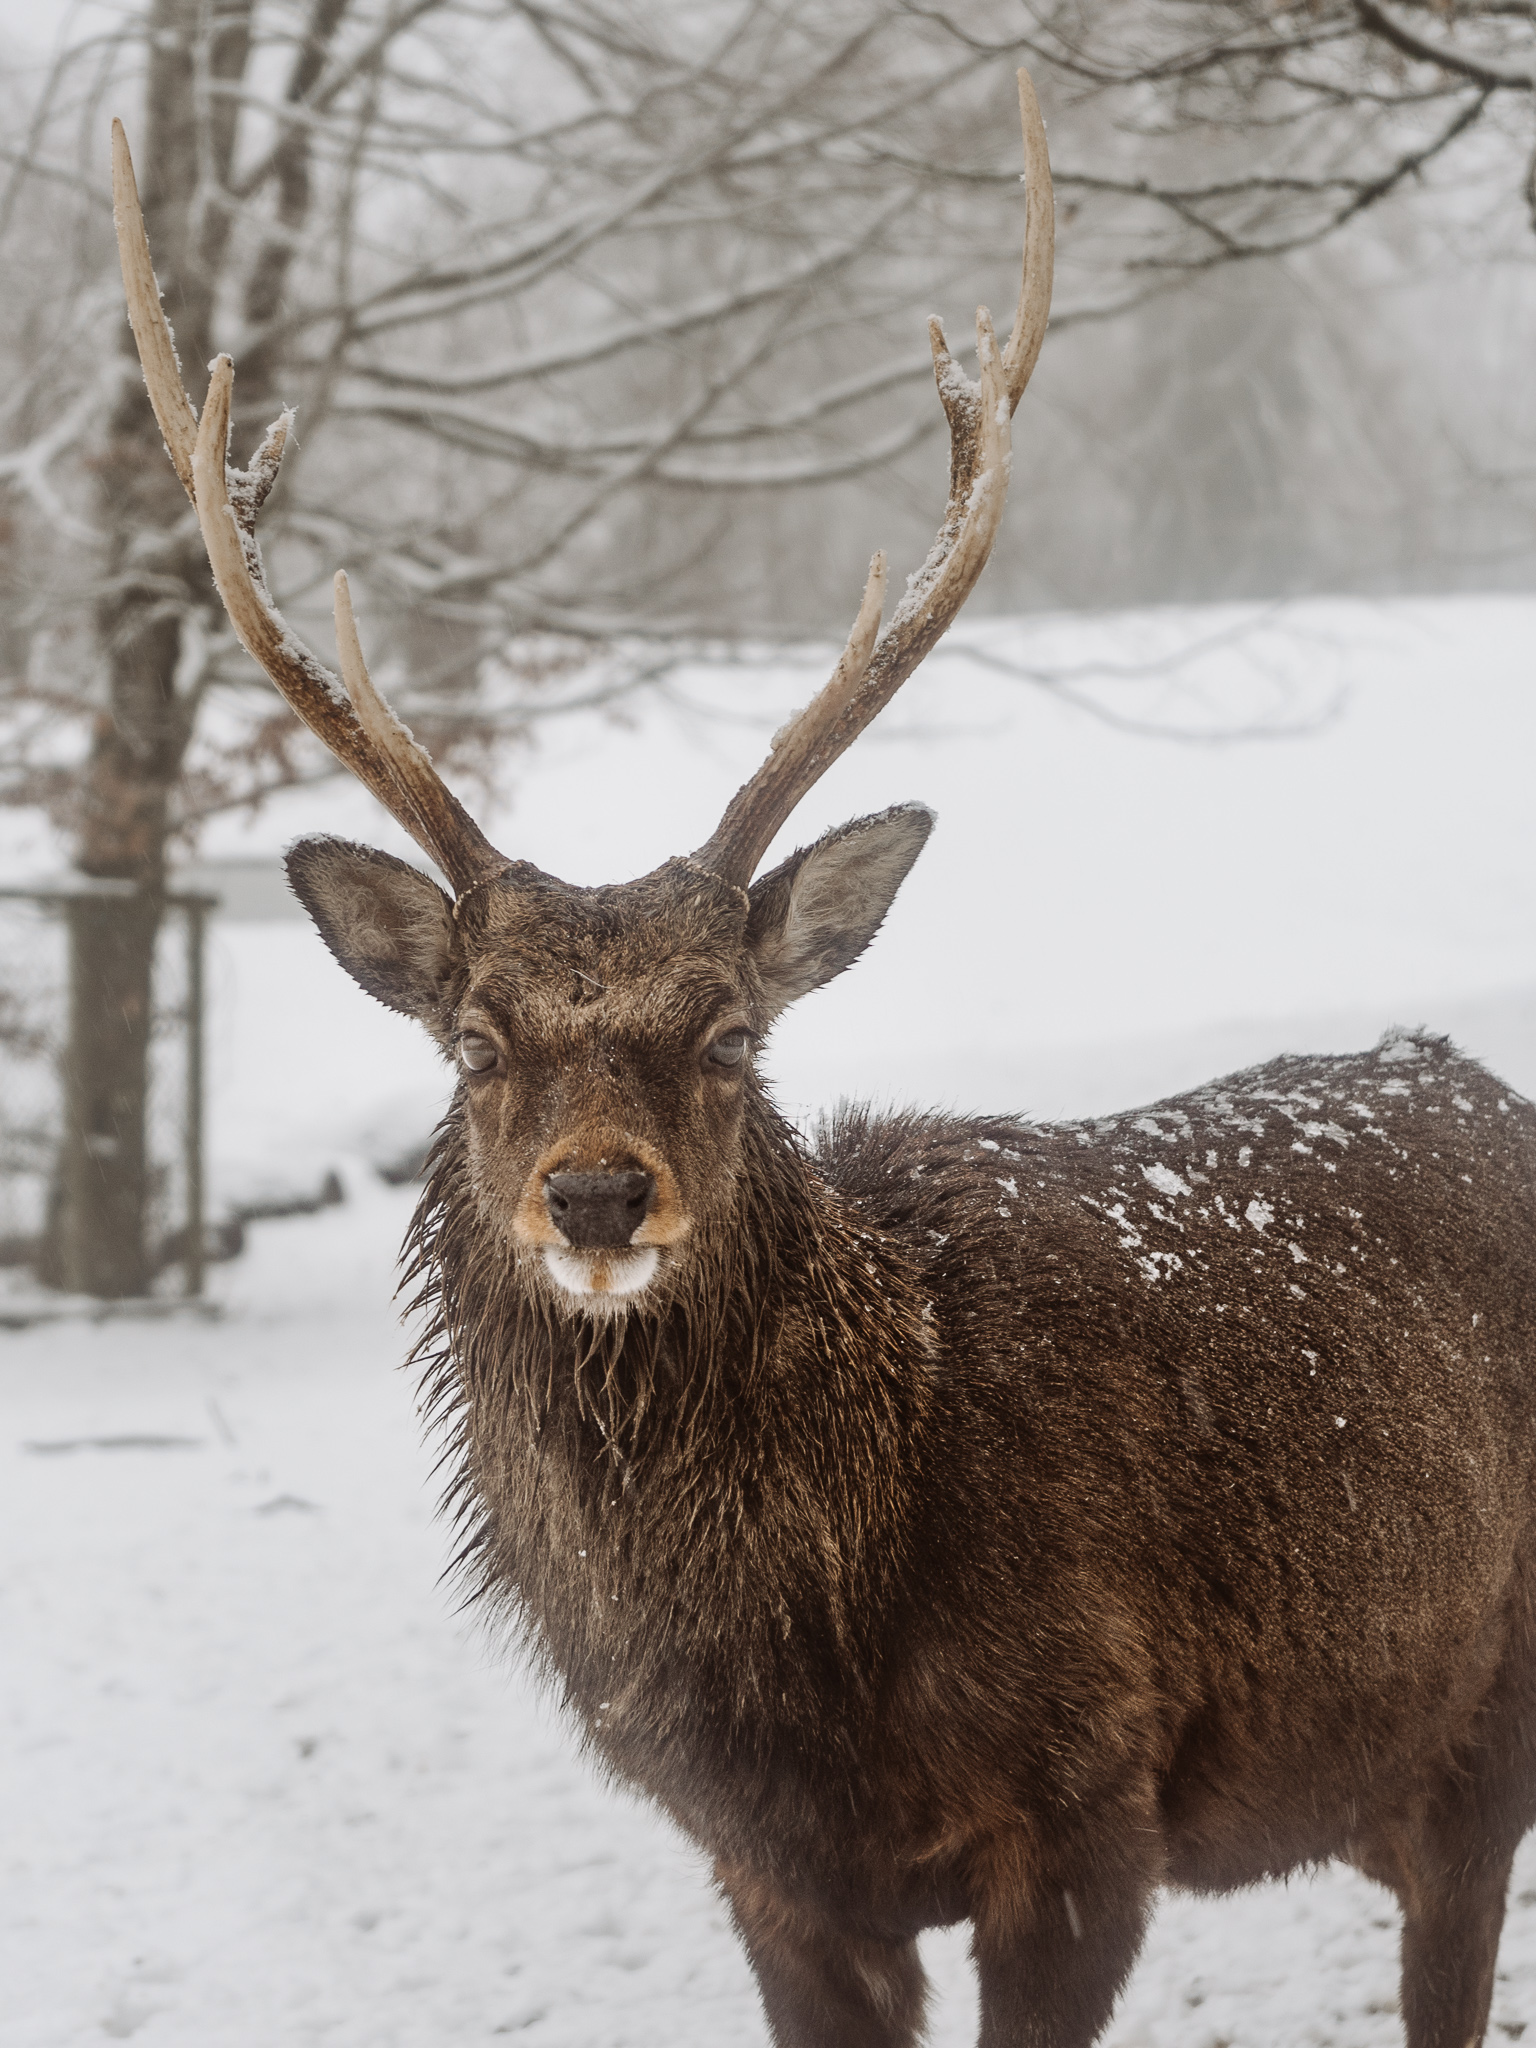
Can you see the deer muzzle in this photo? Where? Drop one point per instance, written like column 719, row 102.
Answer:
column 598, row 1211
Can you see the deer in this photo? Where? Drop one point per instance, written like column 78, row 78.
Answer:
column 943, row 1519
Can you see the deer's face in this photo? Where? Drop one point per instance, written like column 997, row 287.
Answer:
column 605, row 1042
column 606, row 1038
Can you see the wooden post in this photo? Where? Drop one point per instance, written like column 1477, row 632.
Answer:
column 196, row 908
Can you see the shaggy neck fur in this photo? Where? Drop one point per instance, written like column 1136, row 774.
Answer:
column 698, row 1511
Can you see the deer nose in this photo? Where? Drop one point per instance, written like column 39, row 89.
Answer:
column 592, row 1210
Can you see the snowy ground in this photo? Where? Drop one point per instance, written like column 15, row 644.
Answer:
column 259, row 1785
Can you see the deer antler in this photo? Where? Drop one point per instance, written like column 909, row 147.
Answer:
column 872, row 670
column 351, row 718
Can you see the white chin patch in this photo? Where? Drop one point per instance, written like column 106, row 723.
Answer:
column 602, row 1275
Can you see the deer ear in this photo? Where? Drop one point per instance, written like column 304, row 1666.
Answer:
column 388, row 924
column 816, row 912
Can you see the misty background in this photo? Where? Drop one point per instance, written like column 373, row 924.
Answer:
column 602, row 323
column 1210, row 420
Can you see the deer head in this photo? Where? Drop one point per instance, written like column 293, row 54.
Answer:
column 604, row 1037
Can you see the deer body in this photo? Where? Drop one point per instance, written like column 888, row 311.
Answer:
column 964, row 1520
column 1013, row 1519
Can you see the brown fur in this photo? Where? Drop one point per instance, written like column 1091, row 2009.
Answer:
column 987, row 1521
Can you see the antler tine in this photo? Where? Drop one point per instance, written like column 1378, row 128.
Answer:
column 980, row 453
column 175, row 413
column 352, row 719
column 1034, row 309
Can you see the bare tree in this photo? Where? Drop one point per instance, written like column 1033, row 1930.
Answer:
column 587, row 262
column 1231, row 130
column 1296, row 243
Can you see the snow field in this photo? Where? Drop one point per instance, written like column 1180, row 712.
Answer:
column 261, row 1785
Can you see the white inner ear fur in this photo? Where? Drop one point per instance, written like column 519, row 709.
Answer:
column 838, row 900
column 383, row 922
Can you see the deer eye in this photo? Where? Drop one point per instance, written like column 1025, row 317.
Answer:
column 729, row 1050
column 476, row 1052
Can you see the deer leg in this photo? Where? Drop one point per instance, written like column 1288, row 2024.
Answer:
column 1454, row 1857
column 1049, row 1977
column 1449, row 1865
column 825, row 1985
column 1451, row 1926
column 1453, row 1876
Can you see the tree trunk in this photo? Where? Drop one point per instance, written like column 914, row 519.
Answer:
column 97, row 1241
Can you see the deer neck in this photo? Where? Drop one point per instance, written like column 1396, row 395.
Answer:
column 745, row 1453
